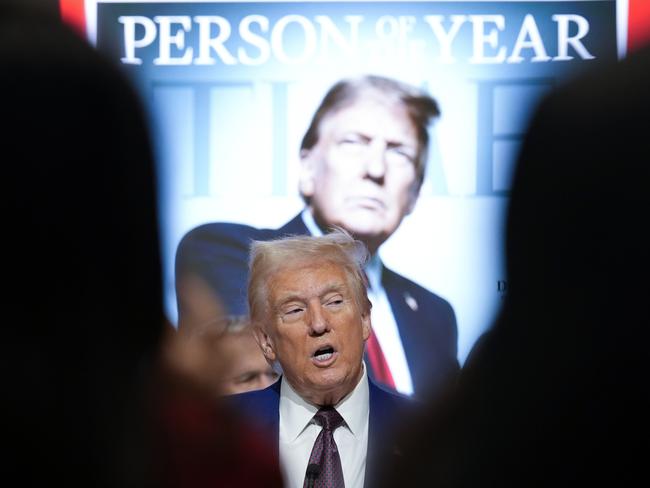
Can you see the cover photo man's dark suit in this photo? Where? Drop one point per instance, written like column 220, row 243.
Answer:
column 218, row 253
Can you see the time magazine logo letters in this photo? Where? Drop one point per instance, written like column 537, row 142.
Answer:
column 296, row 39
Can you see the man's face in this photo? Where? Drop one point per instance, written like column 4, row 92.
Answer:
column 244, row 367
column 316, row 331
column 361, row 174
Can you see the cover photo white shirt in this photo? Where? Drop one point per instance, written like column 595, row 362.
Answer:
column 383, row 320
column 298, row 432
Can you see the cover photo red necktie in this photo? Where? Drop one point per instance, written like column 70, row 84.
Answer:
column 378, row 363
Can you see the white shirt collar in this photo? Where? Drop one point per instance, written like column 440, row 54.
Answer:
column 296, row 414
column 373, row 270
column 310, row 223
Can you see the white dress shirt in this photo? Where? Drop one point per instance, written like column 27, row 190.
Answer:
column 383, row 320
column 298, row 432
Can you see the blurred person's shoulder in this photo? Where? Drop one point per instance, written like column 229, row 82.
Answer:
column 260, row 407
column 203, row 443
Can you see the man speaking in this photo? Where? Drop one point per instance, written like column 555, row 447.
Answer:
column 362, row 165
column 311, row 314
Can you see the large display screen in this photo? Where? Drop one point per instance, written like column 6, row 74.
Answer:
column 232, row 86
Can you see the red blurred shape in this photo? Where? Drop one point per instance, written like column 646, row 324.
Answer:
column 638, row 26
column 73, row 13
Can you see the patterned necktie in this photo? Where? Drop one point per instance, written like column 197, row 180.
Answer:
column 325, row 454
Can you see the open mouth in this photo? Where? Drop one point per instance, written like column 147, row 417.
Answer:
column 324, row 354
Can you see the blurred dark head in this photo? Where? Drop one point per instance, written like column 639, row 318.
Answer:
column 576, row 250
column 557, row 389
column 563, row 373
column 81, row 266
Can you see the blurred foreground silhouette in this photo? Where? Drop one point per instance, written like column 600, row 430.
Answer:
column 88, row 399
column 556, row 392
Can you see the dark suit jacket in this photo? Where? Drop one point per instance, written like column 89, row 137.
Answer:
column 218, row 253
column 386, row 411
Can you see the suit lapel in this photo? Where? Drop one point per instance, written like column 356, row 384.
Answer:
column 406, row 311
column 294, row 227
column 376, row 418
column 274, row 413
column 381, row 419
column 267, row 413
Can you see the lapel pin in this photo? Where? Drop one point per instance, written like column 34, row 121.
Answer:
column 411, row 302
